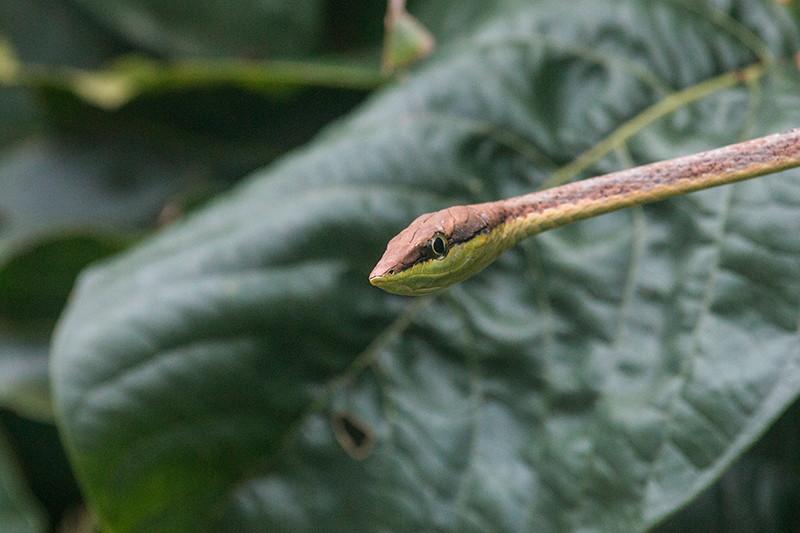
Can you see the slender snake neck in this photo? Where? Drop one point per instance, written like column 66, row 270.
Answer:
column 550, row 208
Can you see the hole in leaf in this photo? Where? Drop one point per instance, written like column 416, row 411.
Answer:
column 353, row 436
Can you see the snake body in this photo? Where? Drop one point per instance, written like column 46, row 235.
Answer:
column 448, row 246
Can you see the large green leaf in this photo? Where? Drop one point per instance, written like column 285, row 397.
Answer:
column 238, row 373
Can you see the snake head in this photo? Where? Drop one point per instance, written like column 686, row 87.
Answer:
column 439, row 249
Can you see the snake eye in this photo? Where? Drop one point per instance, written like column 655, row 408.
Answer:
column 438, row 245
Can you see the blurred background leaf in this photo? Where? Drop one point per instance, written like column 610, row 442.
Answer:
column 19, row 511
column 251, row 28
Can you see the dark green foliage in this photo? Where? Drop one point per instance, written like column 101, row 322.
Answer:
column 234, row 371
